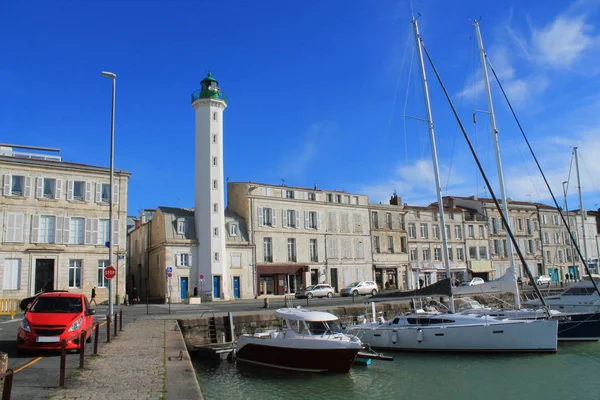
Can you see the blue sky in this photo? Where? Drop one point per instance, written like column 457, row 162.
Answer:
column 317, row 91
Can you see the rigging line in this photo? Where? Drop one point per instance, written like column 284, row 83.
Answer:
column 528, row 173
column 412, row 57
column 484, row 176
column 456, row 129
column 588, row 172
column 583, row 260
column 397, row 87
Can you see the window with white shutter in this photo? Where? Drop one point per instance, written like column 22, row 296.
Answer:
column 116, row 232
column 35, row 228
column 39, row 187
column 58, row 231
column 260, row 217
column 14, row 227
column 115, row 194
column 88, row 191
column 12, row 274
column 58, row 189
column 98, row 197
column 7, row 183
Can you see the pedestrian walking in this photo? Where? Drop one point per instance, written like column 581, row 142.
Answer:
column 93, row 296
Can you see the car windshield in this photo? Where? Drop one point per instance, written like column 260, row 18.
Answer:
column 353, row 284
column 57, row 305
column 310, row 288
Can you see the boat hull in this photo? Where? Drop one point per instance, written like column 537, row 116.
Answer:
column 528, row 336
column 580, row 327
column 338, row 360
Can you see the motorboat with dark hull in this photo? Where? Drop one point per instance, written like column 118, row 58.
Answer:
column 308, row 341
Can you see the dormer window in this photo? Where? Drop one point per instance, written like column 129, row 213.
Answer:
column 181, row 226
column 289, row 194
column 234, row 230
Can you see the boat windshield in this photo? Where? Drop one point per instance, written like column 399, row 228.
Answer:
column 323, row 327
column 579, row 291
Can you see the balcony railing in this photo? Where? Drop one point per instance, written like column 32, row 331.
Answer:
column 209, row 94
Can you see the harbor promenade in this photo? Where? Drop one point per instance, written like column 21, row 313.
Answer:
column 147, row 360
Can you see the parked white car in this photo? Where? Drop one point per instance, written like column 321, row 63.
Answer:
column 473, row 282
column 362, row 287
column 543, row 280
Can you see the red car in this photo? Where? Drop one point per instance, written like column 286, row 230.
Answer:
column 52, row 318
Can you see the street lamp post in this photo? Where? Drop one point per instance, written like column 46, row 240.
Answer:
column 110, row 187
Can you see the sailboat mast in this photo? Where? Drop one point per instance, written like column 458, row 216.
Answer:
column 436, row 170
column 494, row 129
column 581, row 209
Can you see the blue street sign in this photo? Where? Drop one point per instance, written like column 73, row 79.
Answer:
column 169, row 269
column 106, row 244
column 170, row 275
column 121, row 256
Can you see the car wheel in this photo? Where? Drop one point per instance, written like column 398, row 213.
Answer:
column 309, row 296
column 374, row 292
column 89, row 339
column 355, row 293
column 329, row 295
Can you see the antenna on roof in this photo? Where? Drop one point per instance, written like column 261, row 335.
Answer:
column 282, row 182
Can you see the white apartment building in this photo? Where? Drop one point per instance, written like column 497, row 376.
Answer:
column 425, row 244
column 54, row 225
column 390, row 244
column 303, row 236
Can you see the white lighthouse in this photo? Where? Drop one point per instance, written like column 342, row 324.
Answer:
column 209, row 214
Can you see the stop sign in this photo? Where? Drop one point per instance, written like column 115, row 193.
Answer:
column 109, row 272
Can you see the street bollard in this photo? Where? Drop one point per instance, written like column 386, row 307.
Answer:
column 116, row 323
column 63, row 363
column 266, row 303
column 82, row 348
column 8, row 380
column 108, row 329
column 121, row 319
column 97, row 330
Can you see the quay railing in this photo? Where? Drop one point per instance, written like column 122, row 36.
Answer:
column 8, row 380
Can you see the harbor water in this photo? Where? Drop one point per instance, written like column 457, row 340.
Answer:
column 571, row 373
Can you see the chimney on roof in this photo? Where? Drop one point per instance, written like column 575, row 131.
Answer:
column 315, row 187
column 395, row 200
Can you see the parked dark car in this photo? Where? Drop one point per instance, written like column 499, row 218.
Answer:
column 27, row 301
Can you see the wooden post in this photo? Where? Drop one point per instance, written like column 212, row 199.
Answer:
column 108, row 328
column 82, row 348
column 63, row 363
column 97, row 330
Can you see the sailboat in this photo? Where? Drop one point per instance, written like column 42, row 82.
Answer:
column 453, row 332
column 572, row 326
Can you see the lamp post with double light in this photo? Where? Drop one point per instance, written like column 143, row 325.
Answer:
column 110, row 187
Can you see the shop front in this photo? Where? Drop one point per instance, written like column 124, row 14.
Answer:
column 480, row 269
column 388, row 276
column 280, row 279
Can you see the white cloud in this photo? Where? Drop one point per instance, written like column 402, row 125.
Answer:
column 415, row 183
column 305, row 154
column 562, row 42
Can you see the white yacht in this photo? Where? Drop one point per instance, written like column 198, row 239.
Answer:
column 308, row 341
column 458, row 333
column 579, row 297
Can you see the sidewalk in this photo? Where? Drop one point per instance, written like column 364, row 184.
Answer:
column 142, row 362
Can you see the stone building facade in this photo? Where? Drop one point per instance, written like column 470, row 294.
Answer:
column 304, row 236
column 54, row 226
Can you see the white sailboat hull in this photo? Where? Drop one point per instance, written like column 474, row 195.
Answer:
column 522, row 336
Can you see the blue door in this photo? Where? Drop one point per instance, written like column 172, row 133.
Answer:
column 216, row 287
column 236, row 287
column 184, row 287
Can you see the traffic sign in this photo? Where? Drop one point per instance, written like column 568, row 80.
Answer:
column 201, row 277
column 109, row 272
column 170, row 274
column 169, row 269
